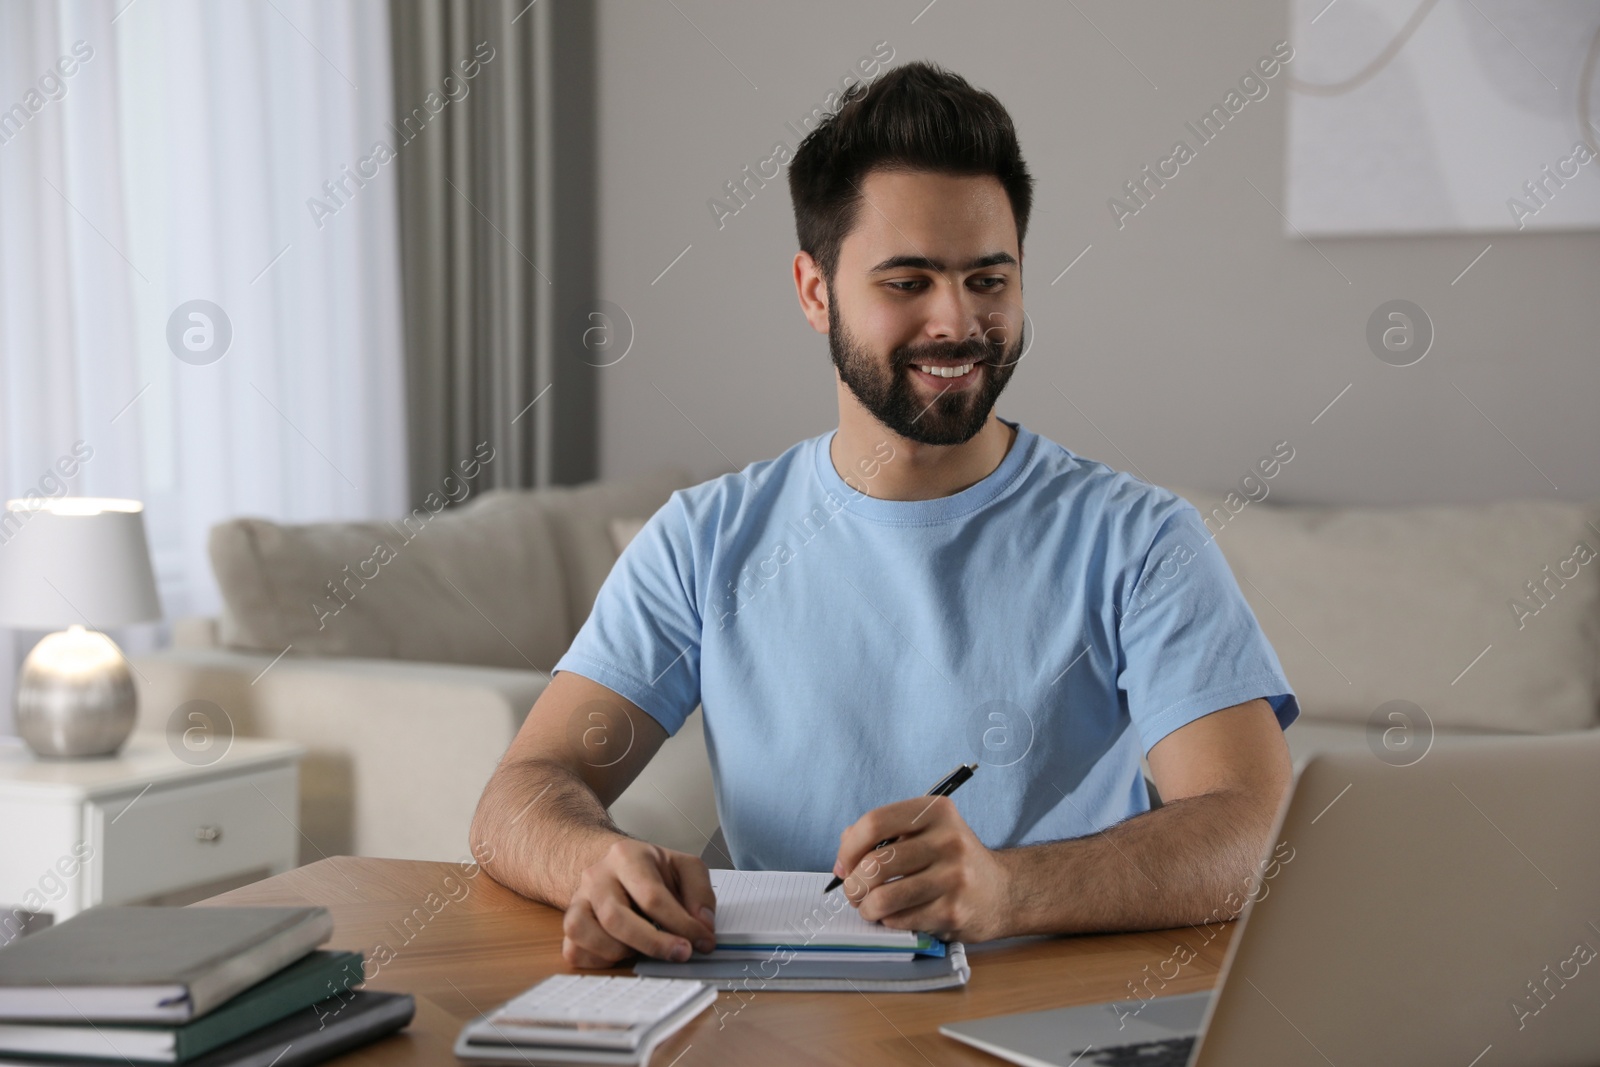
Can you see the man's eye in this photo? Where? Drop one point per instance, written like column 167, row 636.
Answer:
column 896, row 286
column 997, row 279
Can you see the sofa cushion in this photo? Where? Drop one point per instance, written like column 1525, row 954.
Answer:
column 580, row 520
column 1435, row 605
column 449, row 587
column 624, row 531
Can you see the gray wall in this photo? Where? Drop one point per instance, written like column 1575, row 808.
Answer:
column 1190, row 341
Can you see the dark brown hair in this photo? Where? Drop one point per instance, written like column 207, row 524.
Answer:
column 918, row 116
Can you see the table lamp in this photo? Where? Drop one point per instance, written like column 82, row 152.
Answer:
column 78, row 563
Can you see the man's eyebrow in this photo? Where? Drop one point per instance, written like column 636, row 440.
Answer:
column 924, row 263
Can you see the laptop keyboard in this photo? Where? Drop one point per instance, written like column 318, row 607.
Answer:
column 1171, row 1053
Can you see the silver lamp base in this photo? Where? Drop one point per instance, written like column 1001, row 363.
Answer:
column 75, row 696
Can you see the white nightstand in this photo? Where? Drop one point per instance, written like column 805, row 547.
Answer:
column 75, row 833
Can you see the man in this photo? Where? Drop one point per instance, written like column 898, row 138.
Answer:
column 926, row 586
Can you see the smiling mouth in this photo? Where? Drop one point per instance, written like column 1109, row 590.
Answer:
column 947, row 376
column 939, row 371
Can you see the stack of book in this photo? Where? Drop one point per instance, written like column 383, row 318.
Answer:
column 202, row 987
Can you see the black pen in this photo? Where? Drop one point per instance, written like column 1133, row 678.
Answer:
column 949, row 784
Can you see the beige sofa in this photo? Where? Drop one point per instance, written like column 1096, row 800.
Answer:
column 1485, row 617
column 409, row 675
column 408, row 672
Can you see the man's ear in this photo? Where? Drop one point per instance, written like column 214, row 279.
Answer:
column 811, row 290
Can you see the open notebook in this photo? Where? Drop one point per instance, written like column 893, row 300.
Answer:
column 778, row 929
column 766, row 909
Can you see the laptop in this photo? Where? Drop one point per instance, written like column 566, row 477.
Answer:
column 1446, row 912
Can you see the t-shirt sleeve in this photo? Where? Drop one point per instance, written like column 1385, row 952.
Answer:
column 1190, row 645
column 642, row 638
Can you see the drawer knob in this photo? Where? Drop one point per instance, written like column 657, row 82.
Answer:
column 208, row 834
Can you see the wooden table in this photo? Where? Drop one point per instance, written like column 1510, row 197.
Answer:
column 463, row 944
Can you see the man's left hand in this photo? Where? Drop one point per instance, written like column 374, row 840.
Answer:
column 936, row 877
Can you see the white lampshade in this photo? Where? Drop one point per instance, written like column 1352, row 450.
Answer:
column 75, row 560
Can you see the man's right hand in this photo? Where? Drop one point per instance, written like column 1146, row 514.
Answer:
column 624, row 896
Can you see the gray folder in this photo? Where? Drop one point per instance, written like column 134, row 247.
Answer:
column 920, row 974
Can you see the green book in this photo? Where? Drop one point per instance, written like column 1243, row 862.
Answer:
column 316, row 977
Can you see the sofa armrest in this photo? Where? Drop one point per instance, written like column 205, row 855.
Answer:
column 671, row 802
column 398, row 751
column 1309, row 736
column 195, row 631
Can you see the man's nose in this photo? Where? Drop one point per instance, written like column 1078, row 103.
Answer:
column 955, row 314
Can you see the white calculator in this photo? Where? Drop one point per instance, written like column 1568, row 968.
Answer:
column 586, row 1019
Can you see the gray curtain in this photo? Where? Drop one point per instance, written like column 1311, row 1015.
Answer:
column 491, row 268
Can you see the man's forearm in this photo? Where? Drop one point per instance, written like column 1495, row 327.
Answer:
column 1190, row 861
column 543, row 826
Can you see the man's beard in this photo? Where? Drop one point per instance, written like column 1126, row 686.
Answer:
column 894, row 400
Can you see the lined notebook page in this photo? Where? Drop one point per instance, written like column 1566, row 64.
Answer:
column 788, row 907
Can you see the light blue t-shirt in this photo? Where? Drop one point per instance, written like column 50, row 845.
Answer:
column 1052, row 623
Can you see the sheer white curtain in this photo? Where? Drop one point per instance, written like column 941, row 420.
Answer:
column 159, row 152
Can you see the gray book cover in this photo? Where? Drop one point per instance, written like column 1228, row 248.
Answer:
column 800, row 974
column 151, row 964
